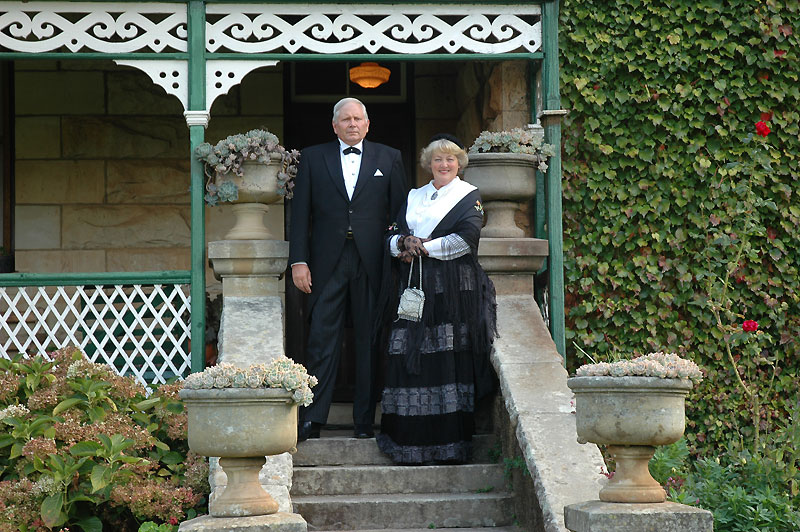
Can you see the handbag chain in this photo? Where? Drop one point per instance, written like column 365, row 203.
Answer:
column 411, row 269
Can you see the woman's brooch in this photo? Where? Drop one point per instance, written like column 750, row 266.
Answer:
column 479, row 207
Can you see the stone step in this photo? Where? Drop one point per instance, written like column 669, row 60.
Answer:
column 337, row 448
column 342, row 480
column 341, row 414
column 399, row 511
column 482, row 529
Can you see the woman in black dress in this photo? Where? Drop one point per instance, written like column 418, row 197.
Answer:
column 438, row 367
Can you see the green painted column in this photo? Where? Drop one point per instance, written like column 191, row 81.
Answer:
column 539, row 201
column 551, row 121
column 197, row 102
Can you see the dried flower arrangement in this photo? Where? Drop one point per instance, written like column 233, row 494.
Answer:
column 282, row 372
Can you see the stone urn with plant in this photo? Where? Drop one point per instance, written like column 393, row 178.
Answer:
column 632, row 406
column 503, row 164
column 243, row 415
column 250, row 170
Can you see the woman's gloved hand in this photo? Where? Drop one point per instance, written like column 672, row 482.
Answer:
column 414, row 245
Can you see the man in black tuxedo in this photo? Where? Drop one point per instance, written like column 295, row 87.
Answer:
column 345, row 194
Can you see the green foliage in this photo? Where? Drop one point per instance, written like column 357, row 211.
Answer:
column 150, row 526
column 745, row 492
column 668, row 465
column 670, row 198
column 514, row 464
column 86, row 449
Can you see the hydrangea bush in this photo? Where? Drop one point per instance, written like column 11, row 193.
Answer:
column 227, row 156
column 282, row 372
column 662, row 365
column 83, row 448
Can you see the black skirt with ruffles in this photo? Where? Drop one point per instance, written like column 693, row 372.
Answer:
column 439, row 367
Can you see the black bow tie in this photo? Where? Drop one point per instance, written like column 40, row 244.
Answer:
column 352, row 149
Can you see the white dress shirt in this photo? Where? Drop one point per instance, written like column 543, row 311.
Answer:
column 351, row 164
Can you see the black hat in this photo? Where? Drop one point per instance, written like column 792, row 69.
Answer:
column 447, row 136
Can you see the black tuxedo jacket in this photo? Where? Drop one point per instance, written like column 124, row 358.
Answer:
column 322, row 212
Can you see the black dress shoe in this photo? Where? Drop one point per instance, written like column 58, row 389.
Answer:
column 308, row 429
column 363, row 432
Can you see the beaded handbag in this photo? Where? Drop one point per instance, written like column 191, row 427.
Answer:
column 412, row 300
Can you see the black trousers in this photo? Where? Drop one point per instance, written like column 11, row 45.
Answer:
column 349, row 281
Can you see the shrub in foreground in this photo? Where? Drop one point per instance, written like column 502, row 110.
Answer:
column 87, row 449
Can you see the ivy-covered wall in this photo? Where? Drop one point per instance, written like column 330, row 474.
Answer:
column 678, row 209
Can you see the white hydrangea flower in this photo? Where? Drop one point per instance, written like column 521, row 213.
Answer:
column 18, row 411
column 46, row 485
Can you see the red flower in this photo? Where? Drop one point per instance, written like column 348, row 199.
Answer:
column 173, row 520
column 750, row 326
column 762, row 128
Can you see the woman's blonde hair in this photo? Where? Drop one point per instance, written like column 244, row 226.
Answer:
column 443, row 146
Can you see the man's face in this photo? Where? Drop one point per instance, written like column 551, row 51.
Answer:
column 351, row 126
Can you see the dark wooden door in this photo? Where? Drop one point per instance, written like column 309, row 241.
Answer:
column 311, row 90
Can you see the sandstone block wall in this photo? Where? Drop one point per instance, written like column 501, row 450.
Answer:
column 465, row 98
column 102, row 166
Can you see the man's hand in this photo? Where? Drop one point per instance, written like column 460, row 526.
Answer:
column 301, row 276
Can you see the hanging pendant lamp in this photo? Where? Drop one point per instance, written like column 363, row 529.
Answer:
column 369, row 75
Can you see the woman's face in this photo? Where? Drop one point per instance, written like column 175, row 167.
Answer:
column 444, row 167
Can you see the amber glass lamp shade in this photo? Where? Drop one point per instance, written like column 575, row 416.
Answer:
column 369, row 75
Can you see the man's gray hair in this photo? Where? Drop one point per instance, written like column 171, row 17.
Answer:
column 344, row 101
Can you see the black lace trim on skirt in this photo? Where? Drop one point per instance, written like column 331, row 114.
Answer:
column 428, row 401
column 419, row 454
column 436, row 339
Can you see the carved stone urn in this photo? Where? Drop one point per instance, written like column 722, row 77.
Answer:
column 505, row 180
column 242, row 426
column 632, row 415
column 258, row 188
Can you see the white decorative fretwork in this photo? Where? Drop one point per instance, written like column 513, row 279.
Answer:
column 107, row 27
column 139, row 330
column 374, row 28
column 171, row 75
column 221, row 75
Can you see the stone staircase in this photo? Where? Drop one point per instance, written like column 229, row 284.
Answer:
column 341, row 483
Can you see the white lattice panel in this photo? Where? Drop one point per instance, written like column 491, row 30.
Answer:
column 374, row 28
column 140, row 330
column 106, row 27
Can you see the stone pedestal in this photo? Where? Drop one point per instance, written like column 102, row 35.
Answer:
column 512, row 255
column 279, row 522
column 251, row 332
column 597, row 516
column 251, row 327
